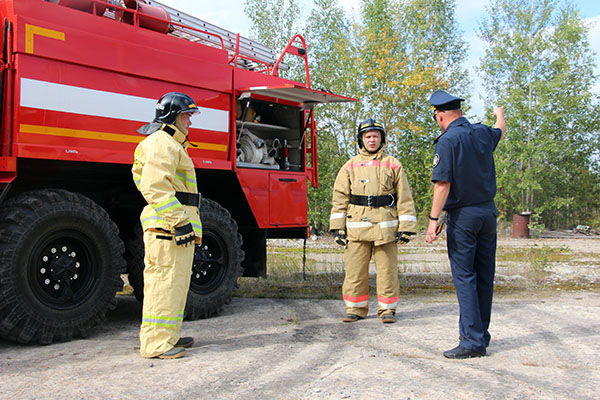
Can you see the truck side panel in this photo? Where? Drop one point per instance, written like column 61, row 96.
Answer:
column 106, row 44
column 65, row 98
column 61, row 117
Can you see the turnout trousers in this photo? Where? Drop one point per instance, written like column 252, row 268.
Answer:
column 355, row 289
column 471, row 239
column 167, row 276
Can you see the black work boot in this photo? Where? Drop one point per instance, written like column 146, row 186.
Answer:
column 351, row 318
column 175, row 352
column 388, row 318
column 185, row 342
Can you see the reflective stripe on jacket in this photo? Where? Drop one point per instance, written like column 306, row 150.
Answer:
column 161, row 168
column 372, row 174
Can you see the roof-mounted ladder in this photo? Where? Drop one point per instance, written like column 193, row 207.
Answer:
column 250, row 54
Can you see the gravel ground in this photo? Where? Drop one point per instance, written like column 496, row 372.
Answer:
column 545, row 345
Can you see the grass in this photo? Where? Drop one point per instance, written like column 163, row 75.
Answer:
column 537, row 254
column 286, row 279
column 538, row 261
column 309, row 250
column 323, row 280
column 340, row 250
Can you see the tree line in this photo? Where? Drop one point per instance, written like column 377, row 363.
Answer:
column 537, row 63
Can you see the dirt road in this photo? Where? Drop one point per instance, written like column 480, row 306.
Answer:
column 544, row 346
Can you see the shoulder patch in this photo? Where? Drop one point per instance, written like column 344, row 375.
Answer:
column 436, row 160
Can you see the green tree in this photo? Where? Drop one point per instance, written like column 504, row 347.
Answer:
column 333, row 65
column 327, row 32
column 274, row 23
column 539, row 65
column 410, row 48
column 392, row 59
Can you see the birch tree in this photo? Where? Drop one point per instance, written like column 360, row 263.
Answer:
column 539, row 65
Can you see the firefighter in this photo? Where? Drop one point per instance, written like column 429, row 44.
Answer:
column 464, row 178
column 164, row 173
column 372, row 210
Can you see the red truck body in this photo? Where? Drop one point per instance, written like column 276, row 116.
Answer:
column 78, row 78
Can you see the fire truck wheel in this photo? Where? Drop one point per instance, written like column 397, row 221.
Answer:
column 217, row 263
column 60, row 266
column 134, row 255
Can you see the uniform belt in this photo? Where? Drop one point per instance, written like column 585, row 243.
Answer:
column 188, row 199
column 373, row 201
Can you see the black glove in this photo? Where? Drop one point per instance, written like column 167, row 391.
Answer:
column 340, row 236
column 441, row 223
column 184, row 235
column 404, row 237
column 439, row 228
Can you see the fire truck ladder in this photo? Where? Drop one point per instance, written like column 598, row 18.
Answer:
column 249, row 54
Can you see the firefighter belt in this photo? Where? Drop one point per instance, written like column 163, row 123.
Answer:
column 355, row 289
column 166, row 283
column 373, row 201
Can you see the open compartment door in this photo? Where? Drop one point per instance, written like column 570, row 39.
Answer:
column 310, row 133
column 280, row 121
column 299, row 94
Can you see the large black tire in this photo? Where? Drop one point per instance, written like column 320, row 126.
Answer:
column 134, row 255
column 60, row 266
column 216, row 268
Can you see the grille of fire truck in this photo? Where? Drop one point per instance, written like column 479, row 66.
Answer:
column 247, row 47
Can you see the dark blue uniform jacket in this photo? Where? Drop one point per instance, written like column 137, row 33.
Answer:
column 464, row 157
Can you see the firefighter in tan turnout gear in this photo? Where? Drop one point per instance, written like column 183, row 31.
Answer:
column 372, row 210
column 165, row 175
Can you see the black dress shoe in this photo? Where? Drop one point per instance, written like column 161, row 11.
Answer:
column 460, row 352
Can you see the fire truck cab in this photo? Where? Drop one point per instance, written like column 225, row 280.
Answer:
column 78, row 77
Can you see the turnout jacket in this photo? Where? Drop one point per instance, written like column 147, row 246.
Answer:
column 372, row 174
column 161, row 169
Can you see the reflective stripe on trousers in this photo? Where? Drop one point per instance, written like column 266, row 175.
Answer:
column 356, row 282
column 356, row 302
column 158, row 320
column 387, row 303
column 166, row 283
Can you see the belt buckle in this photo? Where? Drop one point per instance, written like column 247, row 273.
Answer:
column 393, row 199
column 370, row 200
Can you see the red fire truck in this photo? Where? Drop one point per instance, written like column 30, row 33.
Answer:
column 78, row 77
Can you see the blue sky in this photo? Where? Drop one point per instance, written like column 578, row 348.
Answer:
column 472, row 11
column 229, row 14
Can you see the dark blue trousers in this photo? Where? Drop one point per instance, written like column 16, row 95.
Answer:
column 471, row 238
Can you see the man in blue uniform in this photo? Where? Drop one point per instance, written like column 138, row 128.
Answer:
column 464, row 178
